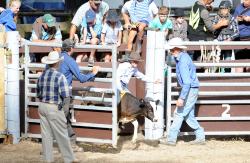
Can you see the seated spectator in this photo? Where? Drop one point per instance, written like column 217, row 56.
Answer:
column 91, row 33
column 242, row 14
column 111, row 32
column 45, row 29
column 179, row 25
column 136, row 16
column 162, row 22
column 226, row 33
column 7, row 16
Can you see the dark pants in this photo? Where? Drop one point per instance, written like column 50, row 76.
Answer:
column 66, row 109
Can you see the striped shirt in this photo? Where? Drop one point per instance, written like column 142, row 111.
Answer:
column 52, row 87
column 139, row 11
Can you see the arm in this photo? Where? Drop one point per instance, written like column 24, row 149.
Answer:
column 92, row 31
column 72, row 31
column 185, row 76
column 103, row 38
column 235, row 29
column 126, row 19
column 84, row 33
column 119, row 38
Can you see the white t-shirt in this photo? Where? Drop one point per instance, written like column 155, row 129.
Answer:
column 153, row 9
column 80, row 14
column 111, row 35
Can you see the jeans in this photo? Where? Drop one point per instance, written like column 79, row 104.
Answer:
column 186, row 113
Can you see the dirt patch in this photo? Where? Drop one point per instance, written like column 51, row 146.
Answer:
column 230, row 150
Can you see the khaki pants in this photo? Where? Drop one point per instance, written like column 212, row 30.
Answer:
column 54, row 124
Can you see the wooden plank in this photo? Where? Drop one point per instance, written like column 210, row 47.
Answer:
column 88, row 116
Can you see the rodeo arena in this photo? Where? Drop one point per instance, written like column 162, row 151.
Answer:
column 125, row 81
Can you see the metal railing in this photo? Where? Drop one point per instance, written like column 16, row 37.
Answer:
column 113, row 100
column 172, row 95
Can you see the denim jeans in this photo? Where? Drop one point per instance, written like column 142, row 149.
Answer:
column 186, row 113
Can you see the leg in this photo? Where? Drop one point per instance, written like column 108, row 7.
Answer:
column 91, row 61
column 47, row 136
column 135, row 123
column 81, row 57
column 58, row 125
column 141, row 28
column 131, row 36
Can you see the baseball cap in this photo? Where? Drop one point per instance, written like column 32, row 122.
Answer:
column 49, row 20
column 90, row 16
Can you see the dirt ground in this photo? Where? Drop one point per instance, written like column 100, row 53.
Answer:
column 230, row 150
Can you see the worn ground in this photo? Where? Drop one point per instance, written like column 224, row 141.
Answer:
column 229, row 150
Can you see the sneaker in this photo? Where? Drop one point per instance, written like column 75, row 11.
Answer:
column 76, row 148
column 165, row 142
column 197, row 142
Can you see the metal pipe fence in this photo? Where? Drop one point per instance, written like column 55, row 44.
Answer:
column 112, row 100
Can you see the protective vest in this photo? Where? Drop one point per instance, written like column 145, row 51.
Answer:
column 197, row 29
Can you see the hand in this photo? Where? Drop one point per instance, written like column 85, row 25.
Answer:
column 239, row 18
column 127, row 26
column 95, row 69
column 246, row 18
column 180, row 103
column 224, row 22
column 118, row 44
column 76, row 38
column 2, row 9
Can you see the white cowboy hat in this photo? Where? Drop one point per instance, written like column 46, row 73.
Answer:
column 52, row 58
column 175, row 43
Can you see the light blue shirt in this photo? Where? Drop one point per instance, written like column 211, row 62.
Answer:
column 156, row 24
column 186, row 74
column 97, row 28
column 45, row 35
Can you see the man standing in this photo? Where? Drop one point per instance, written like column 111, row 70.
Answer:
column 185, row 105
column 52, row 89
column 98, row 6
column 69, row 68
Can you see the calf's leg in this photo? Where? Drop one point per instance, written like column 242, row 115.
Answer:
column 135, row 123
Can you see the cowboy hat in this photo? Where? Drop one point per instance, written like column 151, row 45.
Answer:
column 133, row 56
column 175, row 43
column 52, row 58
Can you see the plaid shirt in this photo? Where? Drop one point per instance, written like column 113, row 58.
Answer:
column 52, row 87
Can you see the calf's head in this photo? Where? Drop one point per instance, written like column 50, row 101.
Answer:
column 147, row 109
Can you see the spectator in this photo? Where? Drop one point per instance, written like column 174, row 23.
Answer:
column 52, row 89
column 162, row 22
column 226, row 33
column 111, row 32
column 98, row 6
column 45, row 29
column 91, row 33
column 69, row 68
column 179, row 25
column 201, row 26
column 242, row 14
column 136, row 16
column 185, row 105
column 7, row 16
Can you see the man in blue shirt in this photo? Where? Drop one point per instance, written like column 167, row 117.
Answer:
column 7, row 16
column 69, row 68
column 185, row 105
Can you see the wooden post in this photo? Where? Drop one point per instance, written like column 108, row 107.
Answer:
column 2, row 82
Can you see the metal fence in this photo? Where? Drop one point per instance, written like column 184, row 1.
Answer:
column 83, row 129
column 223, row 106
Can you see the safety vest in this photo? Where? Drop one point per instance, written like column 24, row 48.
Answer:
column 197, row 29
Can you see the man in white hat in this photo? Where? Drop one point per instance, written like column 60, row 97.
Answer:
column 52, row 89
column 185, row 105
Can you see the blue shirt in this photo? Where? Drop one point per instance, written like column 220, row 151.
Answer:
column 244, row 27
column 52, row 87
column 186, row 74
column 156, row 24
column 97, row 28
column 69, row 68
column 7, row 19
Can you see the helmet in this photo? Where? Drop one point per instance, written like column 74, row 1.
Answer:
column 225, row 4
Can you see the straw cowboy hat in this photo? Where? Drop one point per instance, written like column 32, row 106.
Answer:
column 175, row 43
column 52, row 58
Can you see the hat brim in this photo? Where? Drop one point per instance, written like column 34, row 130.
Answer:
column 45, row 60
column 137, row 60
column 51, row 24
column 169, row 47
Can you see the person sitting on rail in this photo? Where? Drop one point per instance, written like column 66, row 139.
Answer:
column 111, row 32
column 91, row 33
